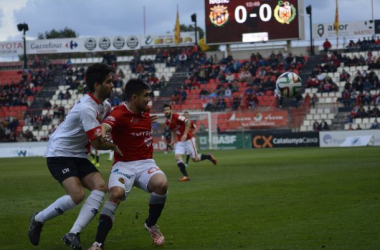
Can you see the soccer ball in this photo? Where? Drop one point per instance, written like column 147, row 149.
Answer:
column 289, row 84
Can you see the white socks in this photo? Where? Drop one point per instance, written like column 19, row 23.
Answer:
column 88, row 211
column 57, row 208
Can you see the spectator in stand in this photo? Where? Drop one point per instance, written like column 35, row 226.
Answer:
column 47, row 104
column 183, row 59
column 236, row 100
column 324, row 126
column 230, row 77
column 60, row 95
column 346, row 98
column 183, row 95
column 315, row 126
column 344, row 76
column 81, row 88
column 374, row 125
column 327, row 46
column 244, row 75
column 361, row 113
column 221, row 105
column 358, row 127
column 375, row 112
column 314, row 100
column 67, row 95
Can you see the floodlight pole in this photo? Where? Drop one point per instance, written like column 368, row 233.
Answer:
column 25, row 58
column 308, row 11
column 194, row 19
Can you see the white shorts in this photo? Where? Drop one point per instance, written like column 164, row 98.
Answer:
column 188, row 147
column 133, row 173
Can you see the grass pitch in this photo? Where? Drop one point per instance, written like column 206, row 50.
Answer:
column 304, row 198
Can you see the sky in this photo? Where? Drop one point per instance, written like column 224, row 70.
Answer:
column 125, row 17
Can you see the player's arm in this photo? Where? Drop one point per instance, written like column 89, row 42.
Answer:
column 187, row 128
column 94, row 131
column 100, row 144
column 174, row 137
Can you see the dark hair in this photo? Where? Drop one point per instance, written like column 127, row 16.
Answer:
column 134, row 87
column 167, row 106
column 97, row 73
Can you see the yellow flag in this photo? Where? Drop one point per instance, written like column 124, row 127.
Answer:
column 336, row 23
column 203, row 45
column 177, row 31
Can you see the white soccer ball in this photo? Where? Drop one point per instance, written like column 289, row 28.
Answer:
column 289, row 84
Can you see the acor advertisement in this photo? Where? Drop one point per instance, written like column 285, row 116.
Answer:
column 360, row 28
column 337, row 138
column 282, row 140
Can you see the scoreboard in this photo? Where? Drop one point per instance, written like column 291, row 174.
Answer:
column 241, row 21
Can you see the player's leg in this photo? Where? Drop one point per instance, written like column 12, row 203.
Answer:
column 93, row 156
column 153, row 180
column 187, row 160
column 97, row 164
column 111, row 156
column 179, row 151
column 65, row 172
column 199, row 157
column 92, row 180
column 119, row 186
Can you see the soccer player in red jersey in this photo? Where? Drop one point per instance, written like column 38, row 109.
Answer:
column 180, row 126
column 193, row 127
column 131, row 127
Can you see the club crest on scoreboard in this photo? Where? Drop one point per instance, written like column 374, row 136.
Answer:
column 285, row 12
column 219, row 15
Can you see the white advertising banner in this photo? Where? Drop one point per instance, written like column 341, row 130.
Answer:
column 358, row 141
column 14, row 48
column 22, row 149
column 186, row 39
column 360, row 28
column 337, row 138
column 90, row 44
column 93, row 44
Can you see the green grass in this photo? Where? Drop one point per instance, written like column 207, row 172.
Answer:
column 306, row 198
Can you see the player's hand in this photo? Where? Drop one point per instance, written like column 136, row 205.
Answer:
column 183, row 138
column 117, row 150
column 106, row 136
column 153, row 118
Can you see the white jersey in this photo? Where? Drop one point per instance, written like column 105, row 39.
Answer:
column 81, row 125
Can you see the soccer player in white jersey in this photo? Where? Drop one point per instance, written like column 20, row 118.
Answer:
column 67, row 157
column 131, row 128
column 181, row 130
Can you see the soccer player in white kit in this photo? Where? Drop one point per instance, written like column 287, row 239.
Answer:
column 67, row 157
column 180, row 127
column 131, row 128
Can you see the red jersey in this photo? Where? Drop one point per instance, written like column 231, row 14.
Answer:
column 192, row 127
column 132, row 133
column 177, row 124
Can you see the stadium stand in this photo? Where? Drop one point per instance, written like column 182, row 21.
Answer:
column 349, row 82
